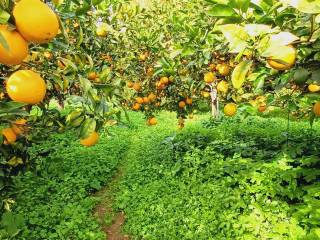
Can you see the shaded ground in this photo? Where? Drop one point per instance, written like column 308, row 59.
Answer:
column 110, row 221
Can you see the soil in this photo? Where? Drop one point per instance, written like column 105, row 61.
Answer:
column 104, row 209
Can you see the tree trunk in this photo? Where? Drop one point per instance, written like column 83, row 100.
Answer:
column 214, row 102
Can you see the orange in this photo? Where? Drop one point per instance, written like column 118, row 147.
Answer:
column 160, row 86
column 316, row 108
column 26, row 86
column 136, row 86
column 262, row 107
column 139, row 100
column 20, row 122
column 146, row 100
column 209, row 77
column 47, row 55
column 150, row 71
column 130, row 84
column 152, row 97
column 182, row 104
column 91, row 140
column 18, row 130
column 17, row 47
column 212, row 67
column 189, row 101
column 206, row 94
column 230, row 109
column 136, row 106
column 283, row 59
column 222, row 86
column 101, row 31
column 35, row 21
column 18, row 126
column 223, row 69
column 164, row 80
column 142, row 57
column 152, row 121
column 314, row 88
column 9, row 135
column 92, row 76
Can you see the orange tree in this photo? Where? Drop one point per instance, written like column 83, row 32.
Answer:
column 182, row 56
column 248, row 55
column 55, row 74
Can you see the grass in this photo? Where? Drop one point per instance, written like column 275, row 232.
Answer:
column 234, row 179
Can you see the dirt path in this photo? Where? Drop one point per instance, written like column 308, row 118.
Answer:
column 110, row 221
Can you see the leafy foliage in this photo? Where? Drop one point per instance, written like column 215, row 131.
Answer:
column 53, row 200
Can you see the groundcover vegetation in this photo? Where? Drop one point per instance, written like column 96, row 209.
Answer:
column 229, row 179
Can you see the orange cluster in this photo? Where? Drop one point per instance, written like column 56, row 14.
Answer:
column 18, row 128
column 162, row 83
column 143, row 100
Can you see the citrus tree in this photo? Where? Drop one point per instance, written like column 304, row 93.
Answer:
column 79, row 63
column 56, row 74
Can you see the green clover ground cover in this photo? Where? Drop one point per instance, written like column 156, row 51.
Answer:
column 53, row 201
column 229, row 179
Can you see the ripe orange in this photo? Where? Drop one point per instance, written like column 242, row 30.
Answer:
column 212, row 67
column 223, row 86
column 205, row 94
column 35, row 21
column 230, row 109
column 26, row 86
column 130, row 84
column 9, row 135
column 139, row 100
column 92, row 76
column 182, row 104
column 209, row 77
column 160, row 86
column 142, row 57
column 136, row 86
column 164, row 80
column 262, row 107
column 223, row 69
column 136, row 106
column 146, row 100
column 20, row 122
column 91, row 140
column 152, row 121
column 152, row 97
column 47, row 55
column 150, row 71
column 316, row 108
column 17, row 47
column 101, row 31
column 314, row 88
column 283, row 59
column 189, row 101
column 19, row 126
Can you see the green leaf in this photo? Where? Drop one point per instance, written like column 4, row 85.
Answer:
column 87, row 127
column 4, row 43
column 239, row 73
column 305, row 6
column 220, row 10
column 242, row 5
column 12, row 108
column 301, row 75
column 4, row 16
column 236, row 36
